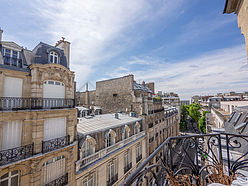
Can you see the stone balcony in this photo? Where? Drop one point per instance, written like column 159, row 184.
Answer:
column 104, row 152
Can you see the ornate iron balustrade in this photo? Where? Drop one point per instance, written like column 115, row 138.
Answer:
column 138, row 158
column 112, row 180
column 128, row 167
column 194, row 160
column 16, row 154
column 19, row 103
column 54, row 144
column 63, row 180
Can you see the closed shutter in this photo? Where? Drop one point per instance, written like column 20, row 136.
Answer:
column 54, row 128
column 11, row 134
column 12, row 87
column 53, row 169
column 52, row 89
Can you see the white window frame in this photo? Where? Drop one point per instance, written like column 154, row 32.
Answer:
column 54, row 55
column 10, row 177
column 89, row 180
column 127, row 158
column 138, row 150
column 112, row 166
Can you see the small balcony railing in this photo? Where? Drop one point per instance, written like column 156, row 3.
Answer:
column 194, row 160
column 112, row 180
column 128, row 167
column 54, row 144
column 63, row 180
column 138, row 158
column 16, row 154
column 19, row 103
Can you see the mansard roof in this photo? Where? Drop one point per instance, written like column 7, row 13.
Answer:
column 41, row 54
column 140, row 87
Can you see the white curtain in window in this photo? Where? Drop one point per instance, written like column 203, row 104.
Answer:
column 54, row 128
column 11, row 134
column 53, row 170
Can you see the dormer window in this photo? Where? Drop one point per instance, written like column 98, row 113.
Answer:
column 11, row 57
column 53, row 57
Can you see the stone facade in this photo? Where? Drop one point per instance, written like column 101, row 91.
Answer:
column 86, row 98
column 36, row 158
column 239, row 7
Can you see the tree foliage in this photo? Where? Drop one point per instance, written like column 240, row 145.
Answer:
column 202, row 122
column 194, row 111
column 184, row 116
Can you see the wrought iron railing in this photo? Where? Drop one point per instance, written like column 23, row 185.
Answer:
column 54, row 144
column 112, row 180
column 128, row 167
column 19, row 103
column 16, row 154
column 63, row 180
column 194, row 160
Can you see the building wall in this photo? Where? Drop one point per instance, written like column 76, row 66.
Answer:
column 81, row 98
column 115, row 94
column 229, row 106
column 242, row 22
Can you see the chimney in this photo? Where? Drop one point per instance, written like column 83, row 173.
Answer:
column 87, row 96
column 1, row 33
column 64, row 45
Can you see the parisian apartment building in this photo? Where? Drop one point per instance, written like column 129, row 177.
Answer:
column 38, row 118
column 130, row 126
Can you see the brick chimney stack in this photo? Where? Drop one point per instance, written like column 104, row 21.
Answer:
column 1, row 33
column 64, row 45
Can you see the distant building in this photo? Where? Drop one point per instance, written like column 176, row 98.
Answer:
column 239, row 7
column 185, row 102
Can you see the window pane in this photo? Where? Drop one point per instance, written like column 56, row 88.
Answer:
column 14, row 54
column 14, row 62
column 57, row 83
column 51, row 58
column 55, row 59
column 4, row 183
column 7, row 52
column 14, row 181
column 14, row 172
column 4, row 176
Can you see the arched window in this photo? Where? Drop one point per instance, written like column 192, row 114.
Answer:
column 88, row 147
column 125, row 132
column 53, row 57
column 136, row 128
column 110, row 138
column 10, row 178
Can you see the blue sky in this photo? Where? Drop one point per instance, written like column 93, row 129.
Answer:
column 186, row 46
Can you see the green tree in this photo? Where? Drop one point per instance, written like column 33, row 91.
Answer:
column 184, row 116
column 202, row 122
column 194, row 112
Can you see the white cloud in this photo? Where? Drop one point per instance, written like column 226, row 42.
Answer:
column 217, row 71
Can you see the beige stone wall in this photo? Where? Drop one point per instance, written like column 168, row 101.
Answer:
column 121, row 87
column 33, row 124
column 31, row 168
column 243, row 23
column 41, row 73
column 81, row 97
column 100, row 169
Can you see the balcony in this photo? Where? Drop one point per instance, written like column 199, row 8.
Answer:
column 138, row 158
column 63, row 180
column 155, row 111
column 194, row 160
column 19, row 103
column 16, row 154
column 127, row 167
column 112, row 180
column 104, row 152
column 54, row 144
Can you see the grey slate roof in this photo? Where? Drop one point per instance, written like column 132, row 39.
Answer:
column 42, row 50
column 141, row 87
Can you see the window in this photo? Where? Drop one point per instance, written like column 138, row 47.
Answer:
column 138, row 153
column 54, row 57
column 10, row 179
column 112, row 172
column 127, row 161
column 136, row 128
column 53, row 169
column 12, row 57
column 88, row 147
column 126, row 131
column 110, row 138
column 89, row 181
column 115, row 95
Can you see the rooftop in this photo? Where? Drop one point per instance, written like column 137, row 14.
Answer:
column 103, row 122
column 137, row 86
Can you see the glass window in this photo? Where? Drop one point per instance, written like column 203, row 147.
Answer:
column 7, row 52
column 57, row 83
column 51, row 82
column 54, row 57
column 88, row 148
column 89, row 181
column 10, row 179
